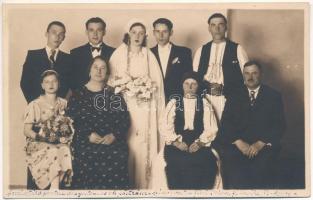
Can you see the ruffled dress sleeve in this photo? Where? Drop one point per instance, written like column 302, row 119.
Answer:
column 32, row 113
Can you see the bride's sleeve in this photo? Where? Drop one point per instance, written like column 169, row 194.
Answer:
column 156, row 76
column 113, row 63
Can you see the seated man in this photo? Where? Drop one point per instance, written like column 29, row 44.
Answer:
column 251, row 128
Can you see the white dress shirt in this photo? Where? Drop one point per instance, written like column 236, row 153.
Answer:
column 164, row 54
column 48, row 50
column 256, row 92
column 215, row 71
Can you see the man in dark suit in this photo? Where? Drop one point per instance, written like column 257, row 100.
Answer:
column 174, row 60
column 40, row 60
column 81, row 56
column 251, row 128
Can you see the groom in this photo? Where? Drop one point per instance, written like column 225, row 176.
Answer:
column 174, row 60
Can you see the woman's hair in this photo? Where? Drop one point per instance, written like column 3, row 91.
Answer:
column 108, row 71
column 126, row 38
column 48, row 73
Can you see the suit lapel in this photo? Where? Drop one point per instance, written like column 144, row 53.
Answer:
column 170, row 58
column 155, row 50
column 46, row 62
column 87, row 50
column 103, row 50
column 59, row 57
column 259, row 98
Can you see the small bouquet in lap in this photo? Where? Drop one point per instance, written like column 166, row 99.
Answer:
column 140, row 87
column 57, row 129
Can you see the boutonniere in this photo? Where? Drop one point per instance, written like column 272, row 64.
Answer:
column 175, row 60
column 235, row 61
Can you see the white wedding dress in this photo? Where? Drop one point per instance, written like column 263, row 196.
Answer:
column 143, row 138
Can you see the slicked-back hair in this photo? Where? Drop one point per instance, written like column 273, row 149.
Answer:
column 57, row 23
column 96, row 20
column 165, row 21
column 217, row 15
column 253, row 62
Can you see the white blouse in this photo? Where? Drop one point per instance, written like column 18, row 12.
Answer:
column 167, row 126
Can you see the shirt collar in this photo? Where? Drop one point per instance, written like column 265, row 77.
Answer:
column 48, row 50
column 166, row 47
column 255, row 90
column 97, row 46
column 219, row 44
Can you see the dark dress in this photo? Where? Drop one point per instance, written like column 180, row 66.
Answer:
column 186, row 170
column 99, row 166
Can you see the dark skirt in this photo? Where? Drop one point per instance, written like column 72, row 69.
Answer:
column 186, row 170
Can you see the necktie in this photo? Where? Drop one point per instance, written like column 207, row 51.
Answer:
column 252, row 98
column 95, row 48
column 53, row 51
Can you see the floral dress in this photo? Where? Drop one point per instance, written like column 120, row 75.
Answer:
column 46, row 160
column 99, row 166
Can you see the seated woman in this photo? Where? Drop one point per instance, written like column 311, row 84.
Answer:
column 49, row 162
column 189, row 126
column 101, row 122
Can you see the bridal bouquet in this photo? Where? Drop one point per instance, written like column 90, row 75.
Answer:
column 57, row 129
column 140, row 87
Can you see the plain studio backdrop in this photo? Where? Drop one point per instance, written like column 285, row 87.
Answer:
column 274, row 37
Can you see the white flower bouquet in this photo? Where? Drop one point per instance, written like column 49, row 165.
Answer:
column 140, row 87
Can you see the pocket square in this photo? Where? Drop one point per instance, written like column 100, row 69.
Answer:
column 175, row 60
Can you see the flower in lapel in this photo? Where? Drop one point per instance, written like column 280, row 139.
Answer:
column 175, row 60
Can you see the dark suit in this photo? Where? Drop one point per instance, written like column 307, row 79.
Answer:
column 81, row 58
column 174, row 70
column 263, row 121
column 36, row 63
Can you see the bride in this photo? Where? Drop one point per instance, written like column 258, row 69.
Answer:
column 133, row 58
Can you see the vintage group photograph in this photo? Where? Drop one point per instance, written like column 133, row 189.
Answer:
column 156, row 100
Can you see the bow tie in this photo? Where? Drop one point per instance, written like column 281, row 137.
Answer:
column 95, row 48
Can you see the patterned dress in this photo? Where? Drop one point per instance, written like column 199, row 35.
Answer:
column 45, row 160
column 99, row 166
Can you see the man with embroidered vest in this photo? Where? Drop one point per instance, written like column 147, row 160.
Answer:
column 40, row 60
column 252, row 125
column 82, row 56
column 219, row 63
column 174, row 60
